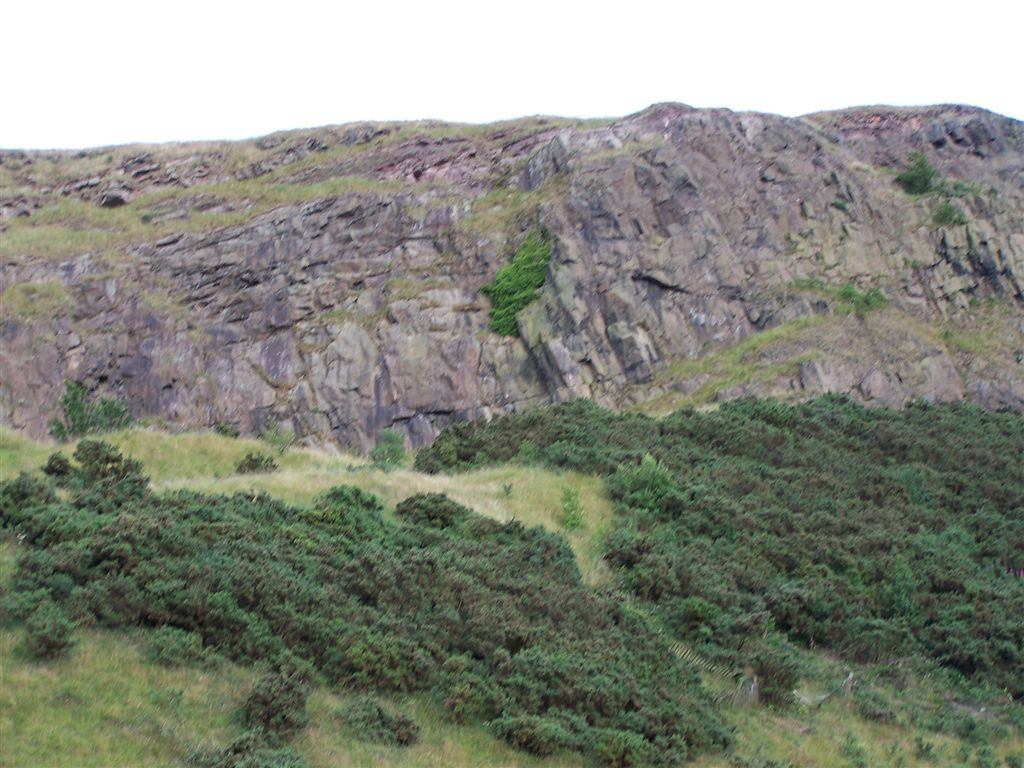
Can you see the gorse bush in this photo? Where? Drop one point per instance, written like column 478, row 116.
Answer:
column 874, row 532
column 47, row 631
column 255, row 463
column 516, row 284
column 372, row 721
column 80, row 415
column 389, row 450
column 277, row 704
column 490, row 619
column 918, row 177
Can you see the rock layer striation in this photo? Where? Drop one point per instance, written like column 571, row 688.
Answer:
column 329, row 281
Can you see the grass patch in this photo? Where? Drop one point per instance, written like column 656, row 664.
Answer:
column 28, row 300
column 740, row 363
column 70, row 226
column 847, row 298
column 104, row 705
column 947, row 214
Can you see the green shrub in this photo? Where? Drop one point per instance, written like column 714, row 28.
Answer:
column 623, row 749
column 253, row 463
column 277, row 704
column 253, row 749
column 105, row 480
column 918, row 177
column 372, row 721
column 58, row 467
column 226, row 429
column 389, row 450
column 572, row 509
column 644, row 488
column 171, row 646
column 81, row 416
column 777, row 672
column 516, row 284
column 541, row 736
column 352, row 513
column 48, row 632
column 21, row 494
column 858, row 302
column 434, row 510
column 872, row 705
column 947, row 214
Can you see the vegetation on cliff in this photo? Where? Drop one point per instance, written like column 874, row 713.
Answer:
column 517, row 283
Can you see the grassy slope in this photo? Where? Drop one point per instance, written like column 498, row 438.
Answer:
column 767, row 361
column 106, row 705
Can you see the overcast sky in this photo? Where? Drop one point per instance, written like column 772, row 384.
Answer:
column 98, row 72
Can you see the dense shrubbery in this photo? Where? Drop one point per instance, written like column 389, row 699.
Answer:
column 277, row 704
column 516, row 284
column 80, row 415
column 875, row 532
column 47, row 631
column 372, row 721
column 492, row 619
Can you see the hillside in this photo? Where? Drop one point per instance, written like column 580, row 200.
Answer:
column 133, row 688
column 332, row 281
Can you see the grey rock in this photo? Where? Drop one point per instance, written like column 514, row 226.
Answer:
column 677, row 233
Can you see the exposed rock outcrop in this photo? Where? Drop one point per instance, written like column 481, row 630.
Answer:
column 330, row 280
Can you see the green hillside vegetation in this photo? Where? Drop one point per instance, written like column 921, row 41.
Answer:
column 130, row 692
column 760, row 527
column 493, row 620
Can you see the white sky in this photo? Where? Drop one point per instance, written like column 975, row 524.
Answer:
column 99, row 72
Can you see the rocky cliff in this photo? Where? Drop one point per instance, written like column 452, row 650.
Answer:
column 329, row 281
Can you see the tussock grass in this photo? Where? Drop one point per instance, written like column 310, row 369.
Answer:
column 105, row 705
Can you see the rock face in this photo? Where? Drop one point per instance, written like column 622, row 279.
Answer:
column 329, row 281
